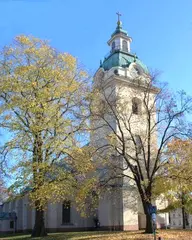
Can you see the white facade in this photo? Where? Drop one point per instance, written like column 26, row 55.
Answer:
column 121, row 210
column 121, row 75
column 53, row 218
column 176, row 219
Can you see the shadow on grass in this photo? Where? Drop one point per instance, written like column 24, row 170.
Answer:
column 102, row 235
column 60, row 236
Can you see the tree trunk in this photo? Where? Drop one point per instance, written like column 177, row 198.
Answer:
column 39, row 227
column 183, row 216
column 149, row 226
column 146, row 201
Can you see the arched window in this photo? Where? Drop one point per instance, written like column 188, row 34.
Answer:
column 136, row 106
column 113, row 46
column 125, row 46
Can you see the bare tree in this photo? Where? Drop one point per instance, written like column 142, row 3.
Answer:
column 133, row 121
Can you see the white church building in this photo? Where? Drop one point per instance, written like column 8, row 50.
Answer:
column 113, row 214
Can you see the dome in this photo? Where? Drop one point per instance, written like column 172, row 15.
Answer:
column 121, row 59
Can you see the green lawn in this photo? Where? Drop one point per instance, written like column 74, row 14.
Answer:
column 136, row 235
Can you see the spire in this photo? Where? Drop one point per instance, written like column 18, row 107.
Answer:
column 119, row 23
column 119, row 26
column 119, row 41
column 118, row 14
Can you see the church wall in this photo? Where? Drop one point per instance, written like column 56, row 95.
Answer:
column 134, row 217
column 5, row 223
column 110, row 210
column 25, row 213
column 125, row 90
column 130, row 206
column 176, row 221
column 53, row 217
column 19, row 212
column 29, row 217
column 162, row 218
column 110, row 204
column 76, row 220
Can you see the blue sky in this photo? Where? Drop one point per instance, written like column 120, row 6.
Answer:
column 161, row 30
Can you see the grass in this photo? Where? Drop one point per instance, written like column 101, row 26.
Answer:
column 129, row 235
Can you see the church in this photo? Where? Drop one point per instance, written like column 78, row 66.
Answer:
column 120, row 66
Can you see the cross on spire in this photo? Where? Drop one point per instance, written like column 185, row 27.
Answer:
column 118, row 14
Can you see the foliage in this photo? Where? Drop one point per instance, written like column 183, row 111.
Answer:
column 176, row 181
column 3, row 190
column 42, row 108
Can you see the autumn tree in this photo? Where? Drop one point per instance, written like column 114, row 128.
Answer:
column 175, row 183
column 134, row 120
column 3, row 189
column 41, row 102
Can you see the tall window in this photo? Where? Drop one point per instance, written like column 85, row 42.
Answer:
column 11, row 224
column 138, row 144
column 66, row 212
column 136, row 106
column 113, row 46
column 135, row 109
column 125, row 46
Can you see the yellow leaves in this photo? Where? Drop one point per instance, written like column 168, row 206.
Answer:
column 22, row 39
column 59, row 185
column 69, row 60
column 31, row 51
column 175, row 143
column 112, row 138
column 180, row 160
column 161, row 186
column 176, row 181
column 7, row 117
column 82, row 159
column 34, row 84
column 8, row 51
column 43, row 96
column 22, row 70
column 83, row 74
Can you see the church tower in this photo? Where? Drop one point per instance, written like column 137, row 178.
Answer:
column 120, row 60
column 123, row 79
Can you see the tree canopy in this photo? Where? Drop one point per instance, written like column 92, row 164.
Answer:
column 41, row 107
column 175, row 182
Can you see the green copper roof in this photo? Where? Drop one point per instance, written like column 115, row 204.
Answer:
column 119, row 29
column 121, row 59
column 118, row 57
